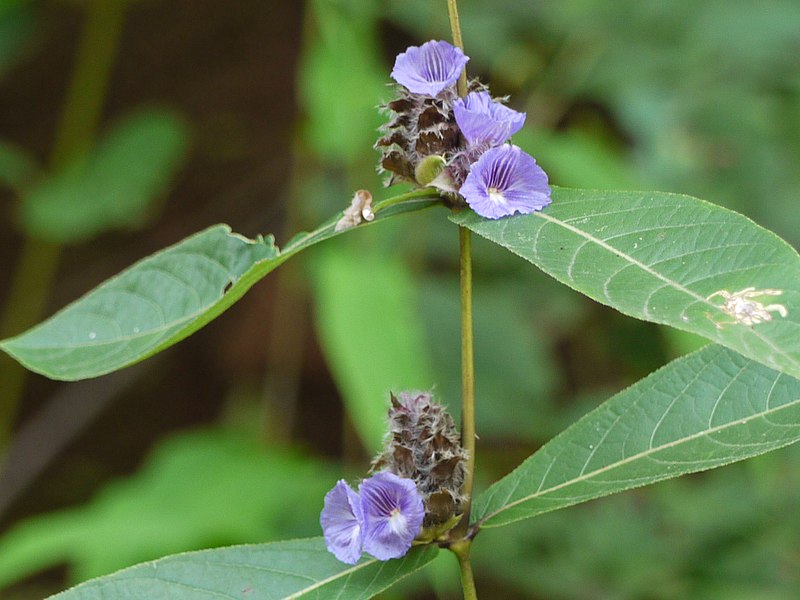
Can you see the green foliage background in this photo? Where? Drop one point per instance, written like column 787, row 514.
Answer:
column 681, row 96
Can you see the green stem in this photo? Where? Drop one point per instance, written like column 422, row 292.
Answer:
column 455, row 28
column 413, row 195
column 467, row 375
column 462, row 550
column 467, row 345
column 38, row 262
column 90, row 79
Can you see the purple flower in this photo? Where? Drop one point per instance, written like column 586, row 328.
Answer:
column 342, row 521
column 504, row 181
column 430, row 68
column 484, row 121
column 383, row 519
column 393, row 513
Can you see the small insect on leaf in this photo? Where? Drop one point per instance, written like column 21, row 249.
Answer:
column 745, row 309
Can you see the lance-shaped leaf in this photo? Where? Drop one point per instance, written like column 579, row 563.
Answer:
column 659, row 257
column 160, row 300
column 701, row 411
column 285, row 570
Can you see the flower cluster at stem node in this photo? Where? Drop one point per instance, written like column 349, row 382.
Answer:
column 464, row 138
column 414, row 494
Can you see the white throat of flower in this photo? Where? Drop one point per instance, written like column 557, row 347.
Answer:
column 496, row 196
column 397, row 521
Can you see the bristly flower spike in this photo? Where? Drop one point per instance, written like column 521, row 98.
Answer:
column 424, row 446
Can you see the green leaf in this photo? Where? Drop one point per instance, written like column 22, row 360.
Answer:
column 160, row 300
column 147, row 307
column 340, row 103
column 114, row 186
column 293, row 569
column 161, row 509
column 703, row 411
column 360, row 297
column 658, row 257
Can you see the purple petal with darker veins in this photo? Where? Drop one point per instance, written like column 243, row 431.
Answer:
column 430, row 68
column 393, row 513
column 342, row 521
column 485, row 121
column 504, row 181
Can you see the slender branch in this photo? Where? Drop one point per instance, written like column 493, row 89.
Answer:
column 467, row 345
column 455, row 27
column 467, row 374
column 412, row 195
column 38, row 263
column 462, row 550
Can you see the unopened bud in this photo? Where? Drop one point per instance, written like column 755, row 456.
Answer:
column 429, row 169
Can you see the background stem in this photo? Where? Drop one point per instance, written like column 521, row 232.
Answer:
column 39, row 260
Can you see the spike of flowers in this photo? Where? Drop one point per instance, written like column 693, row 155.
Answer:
column 423, row 445
column 485, row 121
column 462, row 138
column 430, row 68
column 504, row 181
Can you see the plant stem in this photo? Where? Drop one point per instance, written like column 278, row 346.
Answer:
column 467, row 372
column 38, row 262
column 467, row 345
column 455, row 28
column 462, row 550
column 413, row 195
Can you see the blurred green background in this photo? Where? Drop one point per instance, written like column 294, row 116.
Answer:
column 126, row 125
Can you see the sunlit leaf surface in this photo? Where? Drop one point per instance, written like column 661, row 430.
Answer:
column 282, row 570
column 658, row 257
column 158, row 301
column 699, row 412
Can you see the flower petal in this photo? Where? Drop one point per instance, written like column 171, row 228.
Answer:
column 504, row 181
column 393, row 513
column 342, row 521
column 482, row 120
column 430, row 68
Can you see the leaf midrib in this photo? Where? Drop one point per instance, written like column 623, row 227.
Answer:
column 670, row 282
column 644, row 454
